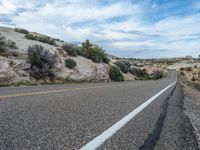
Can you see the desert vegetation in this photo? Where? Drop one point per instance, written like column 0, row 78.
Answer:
column 188, row 69
column 30, row 36
column 71, row 49
column 191, row 76
column 11, row 44
column 45, row 62
column 93, row 52
column 70, row 63
column 44, row 39
column 42, row 62
column 2, row 44
column 5, row 46
column 115, row 73
column 157, row 75
column 123, row 65
column 20, row 30
column 140, row 73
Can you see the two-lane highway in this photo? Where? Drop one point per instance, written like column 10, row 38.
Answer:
column 71, row 116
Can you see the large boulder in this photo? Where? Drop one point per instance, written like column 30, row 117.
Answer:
column 128, row 76
column 85, row 70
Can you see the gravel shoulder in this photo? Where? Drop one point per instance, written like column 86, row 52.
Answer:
column 192, row 109
column 177, row 132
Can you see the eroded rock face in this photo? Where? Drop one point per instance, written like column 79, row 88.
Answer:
column 53, row 53
column 16, row 70
column 13, row 70
column 6, row 72
column 85, row 70
column 19, row 69
column 128, row 76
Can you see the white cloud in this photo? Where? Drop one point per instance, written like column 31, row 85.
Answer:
column 66, row 19
column 7, row 7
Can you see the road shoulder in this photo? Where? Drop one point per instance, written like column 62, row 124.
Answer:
column 177, row 132
column 192, row 109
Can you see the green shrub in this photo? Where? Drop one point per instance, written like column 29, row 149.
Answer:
column 11, row 44
column 30, row 37
column 86, row 45
column 123, row 65
column 42, row 62
column 157, row 75
column 93, row 52
column 115, row 74
column 72, row 50
column 2, row 44
column 188, row 69
column 182, row 73
column 44, row 39
column 193, row 79
column 182, row 69
column 81, row 52
column 70, row 63
column 140, row 73
column 97, row 55
column 20, row 30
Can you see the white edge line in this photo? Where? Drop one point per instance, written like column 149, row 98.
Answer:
column 99, row 140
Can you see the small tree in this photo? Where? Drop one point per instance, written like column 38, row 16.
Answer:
column 97, row 55
column 93, row 52
column 86, row 45
column 115, row 74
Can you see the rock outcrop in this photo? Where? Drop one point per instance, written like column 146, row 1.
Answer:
column 86, row 70
column 17, row 69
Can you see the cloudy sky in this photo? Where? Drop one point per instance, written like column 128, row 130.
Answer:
column 128, row 28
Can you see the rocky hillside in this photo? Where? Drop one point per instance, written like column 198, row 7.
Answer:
column 18, row 56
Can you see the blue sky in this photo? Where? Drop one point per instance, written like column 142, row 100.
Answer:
column 127, row 28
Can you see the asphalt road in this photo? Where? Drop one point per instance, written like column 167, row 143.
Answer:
column 70, row 116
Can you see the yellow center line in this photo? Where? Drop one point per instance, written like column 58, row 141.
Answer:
column 47, row 92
